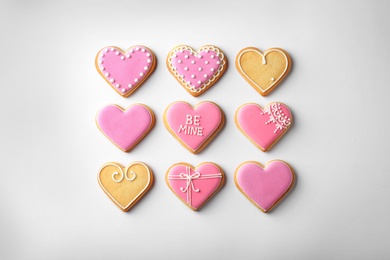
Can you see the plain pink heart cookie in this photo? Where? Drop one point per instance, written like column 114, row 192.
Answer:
column 125, row 72
column 198, row 70
column 264, row 186
column 264, row 127
column 195, row 186
column 125, row 127
column 195, row 127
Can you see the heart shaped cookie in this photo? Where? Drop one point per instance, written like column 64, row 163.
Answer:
column 198, row 70
column 264, row 127
column 125, row 128
column 195, row 186
column 264, row 186
column 125, row 186
column 263, row 71
column 195, row 127
column 125, row 71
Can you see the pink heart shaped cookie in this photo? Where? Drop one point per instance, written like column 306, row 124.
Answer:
column 195, row 186
column 125, row 128
column 125, row 72
column 198, row 70
column 264, row 186
column 264, row 127
column 194, row 127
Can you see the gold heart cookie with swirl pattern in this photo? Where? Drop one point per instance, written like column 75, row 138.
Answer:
column 125, row 186
column 263, row 70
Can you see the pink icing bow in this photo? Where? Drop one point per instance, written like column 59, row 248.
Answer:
column 190, row 185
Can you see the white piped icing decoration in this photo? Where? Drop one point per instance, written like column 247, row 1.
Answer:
column 137, row 48
column 212, row 69
column 135, row 80
column 148, row 61
column 102, row 68
column 130, row 86
column 277, row 117
column 141, row 74
column 106, row 50
column 117, row 53
column 146, row 68
column 122, row 57
column 112, row 80
column 205, row 75
column 143, row 50
column 185, row 68
column 148, row 54
column 200, row 69
column 192, row 76
column 192, row 62
column 117, row 85
column 128, row 56
column 200, row 56
column 100, row 62
column 212, row 56
column 179, row 61
column 123, row 90
column 207, row 62
column 112, row 49
column 186, row 56
column 107, row 74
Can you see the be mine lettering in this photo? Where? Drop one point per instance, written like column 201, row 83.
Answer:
column 192, row 126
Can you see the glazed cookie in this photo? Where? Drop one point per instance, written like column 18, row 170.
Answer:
column 264, row 186
column 125, row 71
column 263, row 71
column 125, row 186
column 195, row 186
column 195, row 127
column 198, row 70
column 125, row 127
column 264, row 127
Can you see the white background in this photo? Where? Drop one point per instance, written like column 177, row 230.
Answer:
column 51, row 150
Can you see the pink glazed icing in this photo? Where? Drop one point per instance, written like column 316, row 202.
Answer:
column 125, row 71
column 264, row 186
column 194, row 187
column 196, row 70
column 193, row 126
column 264, row 127
column 125, row 128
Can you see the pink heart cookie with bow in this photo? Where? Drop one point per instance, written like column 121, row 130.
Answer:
column 198, row 70
column 264, row 186
column 264, row 127
column 195, row 127
column 125, row 127
column 125, row 71
column 195, row 186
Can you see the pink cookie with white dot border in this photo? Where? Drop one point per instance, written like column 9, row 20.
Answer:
column 263, row 127
column 198, row 70
column 265, row 186
column 125, row 71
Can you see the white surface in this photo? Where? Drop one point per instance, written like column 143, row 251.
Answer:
column 51, row 150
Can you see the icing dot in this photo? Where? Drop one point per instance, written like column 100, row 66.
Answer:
column 189, row 82
column 137, row 49
column 218, row 62
column 141, row 74
column 192, row 76
column 117, row 53
column 102, row 68
column 182, row 76
column 146, row 68
column 185, row 68
column 143, row 50
column 123, row 90
column 128, row 56
column 149, row 61
column 122, row 57
column 212, row 69
column 186, row 56
column 106, row 50
column 148, row 54
column 112, row 80
column 272, row 79
column 117, row 85
column 135, row 80
column 199, row 82
column 181, row 51
column 100, row 62
column 206, row 62
column 205, row 75
column 212, row 56
column 102, row 55
column 112, row 49
column 132, row 50
column 200, row 56
column 200, row 69
column 107, row 74
column 130, row 86
column 192, row 62
column 174, row 55
column 179, row 61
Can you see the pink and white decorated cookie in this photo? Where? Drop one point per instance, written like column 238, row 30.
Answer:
column 198, row 70
column 125, row 127
column 264, row 186
column 195, row 186
column 194, row 127
column 264, row 127
column 125, row 71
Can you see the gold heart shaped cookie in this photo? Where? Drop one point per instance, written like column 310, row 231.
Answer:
column 263, row 71
column 125, row 186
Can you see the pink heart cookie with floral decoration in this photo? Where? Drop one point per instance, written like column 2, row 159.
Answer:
column 195, row 186
column 264, row 127
column 125, row 127
column 125, row 71
column 198, row 70
column 264, row 186
column 195, row 127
